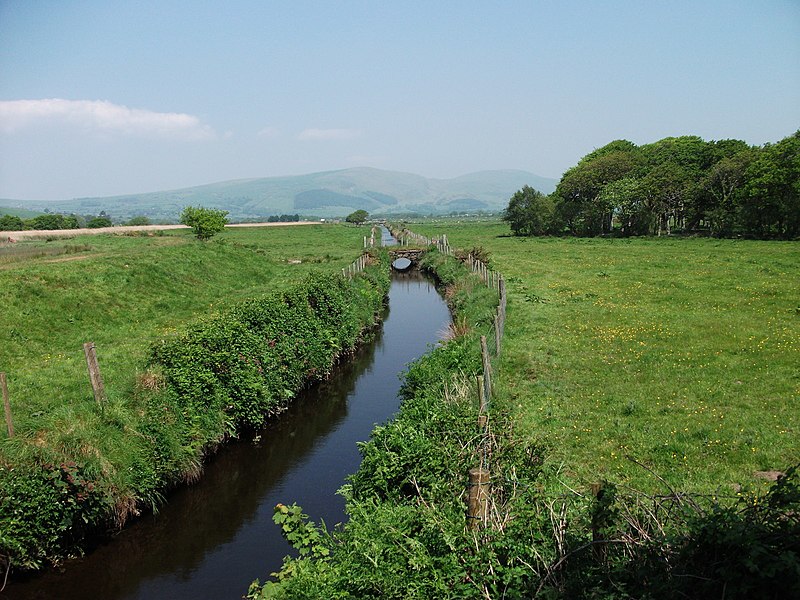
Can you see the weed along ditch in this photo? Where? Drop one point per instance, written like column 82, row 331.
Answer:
column 212, row 538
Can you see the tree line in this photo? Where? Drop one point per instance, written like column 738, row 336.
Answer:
column 51, row 221
column 724, row 188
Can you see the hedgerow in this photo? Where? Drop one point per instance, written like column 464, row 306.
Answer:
column 222, row 375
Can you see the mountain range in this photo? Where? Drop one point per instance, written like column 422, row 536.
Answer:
column 330, row 193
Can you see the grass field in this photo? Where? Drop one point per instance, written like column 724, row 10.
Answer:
column 683, row 354
column 122, row 292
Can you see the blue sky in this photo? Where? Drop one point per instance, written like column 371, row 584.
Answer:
column 108, row 97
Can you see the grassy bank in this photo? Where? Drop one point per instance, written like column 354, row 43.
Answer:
column 124, row 292
column 72, row 463
column 407, row 535
column 680, row 353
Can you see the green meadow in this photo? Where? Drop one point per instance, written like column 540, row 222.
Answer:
column 124, row 292
column 644, row 358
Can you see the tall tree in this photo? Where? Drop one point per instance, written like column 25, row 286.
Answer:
column 722, row 188
column 580, row 205
column 674, row 167
column 529, row 212
column 628, row 198
column 771, row 204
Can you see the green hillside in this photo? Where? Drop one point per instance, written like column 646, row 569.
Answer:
column 331, row 193
column 22, row 213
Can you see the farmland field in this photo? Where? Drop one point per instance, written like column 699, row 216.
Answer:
column 680, row 354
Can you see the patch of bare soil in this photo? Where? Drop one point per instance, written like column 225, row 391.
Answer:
column 769, row 475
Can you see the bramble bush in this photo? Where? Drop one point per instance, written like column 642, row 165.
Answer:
column 45, row 510
column 236, row 369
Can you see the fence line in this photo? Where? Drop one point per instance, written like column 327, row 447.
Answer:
column 406, row 237
column 493, row 280
column 356, row 266
column 480, row 477
column 369, row 242
column 361, row 263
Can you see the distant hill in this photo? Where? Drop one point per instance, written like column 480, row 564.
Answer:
column 330, row 193
column 22, row 213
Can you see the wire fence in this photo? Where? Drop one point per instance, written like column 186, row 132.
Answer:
column 373, row 240
column 490, row 348
column 405, row 237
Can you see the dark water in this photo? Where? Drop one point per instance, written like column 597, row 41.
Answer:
column 212, row 539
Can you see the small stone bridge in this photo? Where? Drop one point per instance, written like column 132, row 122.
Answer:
column 412, row 256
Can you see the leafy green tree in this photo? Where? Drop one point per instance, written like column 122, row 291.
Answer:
column 628, row 198
column 11, row 223
column 98, row 222
column 668, row 188
column 139, row 220
column 580, row 206
column 529, row 212
column 205, row 222
column 722, row 188
column 46, row 221
column 682, row 183
column 771, row 202
column 358, row 217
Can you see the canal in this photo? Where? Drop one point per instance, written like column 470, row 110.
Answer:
column 211, row 539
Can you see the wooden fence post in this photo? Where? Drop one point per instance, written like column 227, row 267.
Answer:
column 478, row 507
column 598, row 522
column 94, row 373
column 7, row 405
column 482, row 404
column 482, row 421
column 483, row 417
column 487, row 369
column 497, row 335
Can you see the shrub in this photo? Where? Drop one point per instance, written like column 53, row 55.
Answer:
column 237, row 368
column 98, row 222
column 44, row 509
column 205, row 222
column 11, row 223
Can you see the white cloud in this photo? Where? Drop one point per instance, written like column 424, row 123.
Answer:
column 328, row 134
column 102, row 116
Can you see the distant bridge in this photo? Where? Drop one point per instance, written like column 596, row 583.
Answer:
column 404, row 259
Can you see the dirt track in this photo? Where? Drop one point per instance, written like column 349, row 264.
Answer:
column 40, row 233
